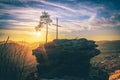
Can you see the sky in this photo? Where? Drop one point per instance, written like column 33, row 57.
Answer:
column 91, row 19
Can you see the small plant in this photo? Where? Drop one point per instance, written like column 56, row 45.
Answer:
column 13, row 61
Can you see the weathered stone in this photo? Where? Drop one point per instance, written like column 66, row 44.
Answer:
column 65, row 58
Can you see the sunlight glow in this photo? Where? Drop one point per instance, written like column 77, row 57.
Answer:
column 38, row 34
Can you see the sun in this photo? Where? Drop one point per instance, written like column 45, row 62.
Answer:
column 35, row 33
column 38, row 34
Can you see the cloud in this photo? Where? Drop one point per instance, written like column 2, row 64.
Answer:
column 56, row 5
column 74, row 17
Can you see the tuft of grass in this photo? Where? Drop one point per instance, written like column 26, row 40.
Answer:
column 14, row 63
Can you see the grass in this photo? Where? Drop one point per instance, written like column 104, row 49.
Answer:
column 14, row 61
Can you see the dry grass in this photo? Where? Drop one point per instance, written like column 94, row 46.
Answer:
column 14, row 62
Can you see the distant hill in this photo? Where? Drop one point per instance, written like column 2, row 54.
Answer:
column 109, row 45
column 109, row 59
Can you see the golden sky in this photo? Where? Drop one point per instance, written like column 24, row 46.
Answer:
column 79, row 19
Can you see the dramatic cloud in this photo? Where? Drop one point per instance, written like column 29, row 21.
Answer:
column 74, row 15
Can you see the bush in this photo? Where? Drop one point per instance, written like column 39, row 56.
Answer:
column 13, row 63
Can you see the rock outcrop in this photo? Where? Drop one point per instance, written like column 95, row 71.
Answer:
column 64, row 57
